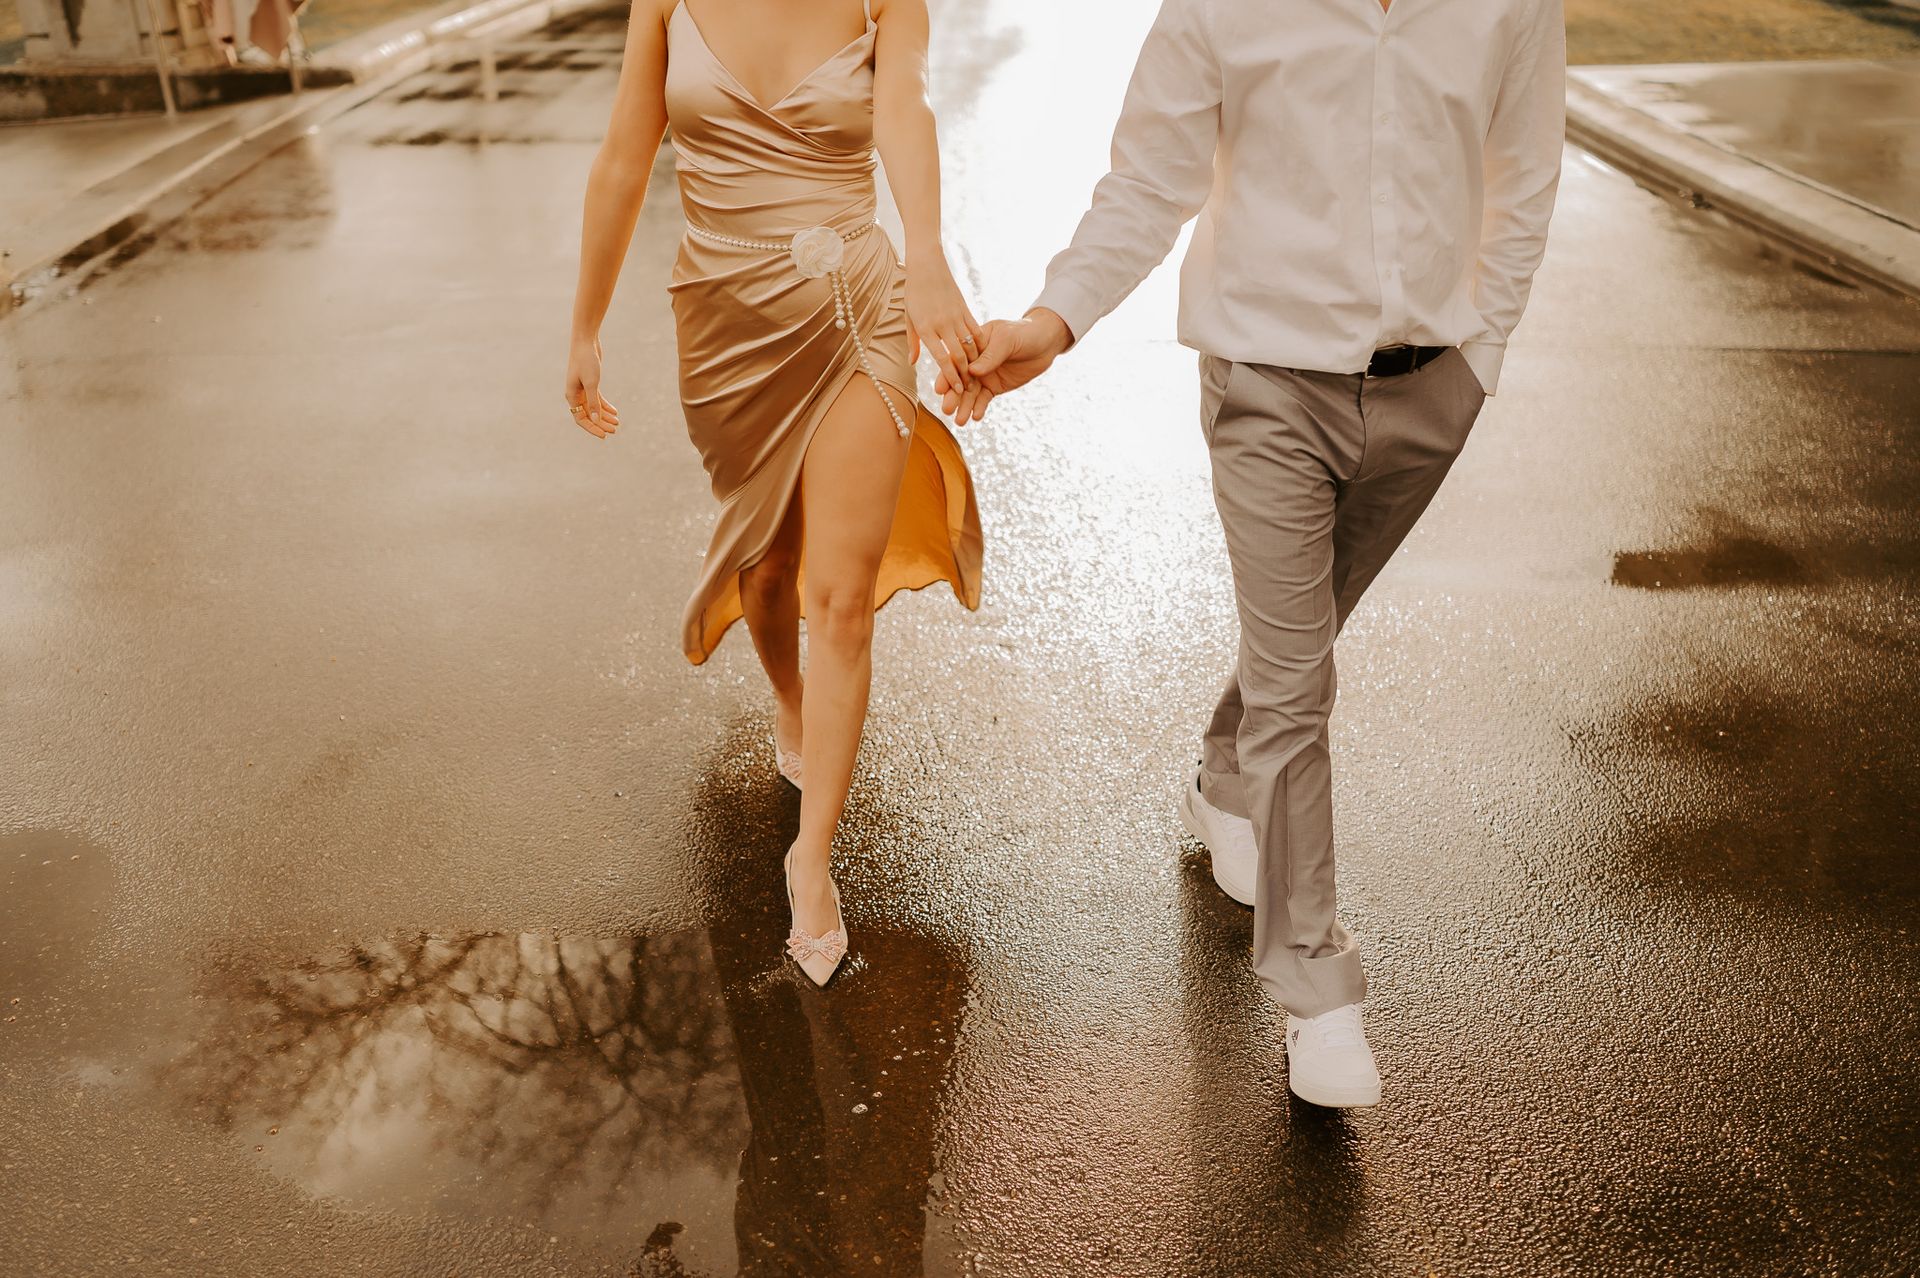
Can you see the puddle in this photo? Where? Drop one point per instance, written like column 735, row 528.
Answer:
column 681, row 1100
column 53, row 889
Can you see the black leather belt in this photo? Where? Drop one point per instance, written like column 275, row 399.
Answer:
column 1396, row 361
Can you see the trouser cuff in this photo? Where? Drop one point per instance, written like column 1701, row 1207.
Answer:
column 1307, row 987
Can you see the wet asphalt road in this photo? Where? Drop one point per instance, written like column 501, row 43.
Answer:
column 380, row 892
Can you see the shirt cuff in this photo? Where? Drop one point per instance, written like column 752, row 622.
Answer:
column 1485, row 359
column 1071, row 303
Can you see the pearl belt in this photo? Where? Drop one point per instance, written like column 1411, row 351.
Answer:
column 820, row 252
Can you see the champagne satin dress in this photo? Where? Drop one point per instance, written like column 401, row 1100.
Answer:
column 770, row 334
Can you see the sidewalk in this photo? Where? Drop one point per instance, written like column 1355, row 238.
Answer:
column 79, row 188
column 1825, row 155
column 59, row 160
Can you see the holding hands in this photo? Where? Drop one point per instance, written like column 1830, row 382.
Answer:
column 938, row 318
column 1014, row 353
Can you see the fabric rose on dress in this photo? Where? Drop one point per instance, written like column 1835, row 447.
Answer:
column 818, row 251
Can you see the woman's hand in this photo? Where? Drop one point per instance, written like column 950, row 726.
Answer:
column 939, row 319
column 1013, row 354
column 590, row 411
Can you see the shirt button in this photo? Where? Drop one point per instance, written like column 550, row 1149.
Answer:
column 1379, row 199
column 1385, row 116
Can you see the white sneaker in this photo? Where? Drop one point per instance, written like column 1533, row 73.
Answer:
column 1229, row 840
column 1329, row 1062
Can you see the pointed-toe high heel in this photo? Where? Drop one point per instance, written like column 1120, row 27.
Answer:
column 818, row 956
column 788, row 761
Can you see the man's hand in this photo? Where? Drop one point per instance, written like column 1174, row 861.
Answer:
column 1017, row 351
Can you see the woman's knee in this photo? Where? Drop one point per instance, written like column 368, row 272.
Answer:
column 772, row 576
column 840, row 613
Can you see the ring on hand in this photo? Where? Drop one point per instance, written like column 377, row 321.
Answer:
column 579, row 408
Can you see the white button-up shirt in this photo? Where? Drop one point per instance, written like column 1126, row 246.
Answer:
column 1364, row 178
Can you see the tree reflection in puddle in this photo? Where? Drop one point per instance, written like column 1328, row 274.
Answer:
column 669, row 1100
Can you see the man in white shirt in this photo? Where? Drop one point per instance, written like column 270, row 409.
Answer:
column 1373, row 180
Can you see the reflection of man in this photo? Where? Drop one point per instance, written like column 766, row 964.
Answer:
column 1374, row 180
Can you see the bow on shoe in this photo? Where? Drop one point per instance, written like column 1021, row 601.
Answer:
column 803, row 945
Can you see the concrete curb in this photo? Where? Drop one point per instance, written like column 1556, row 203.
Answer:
column 406, row 41
column 141, row 200
column 1849, row 236
column 136, row 203
column 70, row 92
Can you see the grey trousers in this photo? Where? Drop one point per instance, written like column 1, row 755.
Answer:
column 1318, row 477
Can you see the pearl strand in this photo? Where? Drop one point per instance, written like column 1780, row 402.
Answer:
column 844, row 316
column 767, row 247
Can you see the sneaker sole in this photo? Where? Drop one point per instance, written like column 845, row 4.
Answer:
column 1333, row 1098
column 1191, row 820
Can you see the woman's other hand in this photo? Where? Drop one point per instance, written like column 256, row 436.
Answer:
column 591, row 411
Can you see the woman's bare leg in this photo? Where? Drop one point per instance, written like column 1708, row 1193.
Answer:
column 770, row 599
column 849, row 486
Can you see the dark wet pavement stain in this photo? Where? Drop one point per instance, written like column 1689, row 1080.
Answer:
column 458, row 91
column 443, row 137
column 1735, row 561
column 1754, row 791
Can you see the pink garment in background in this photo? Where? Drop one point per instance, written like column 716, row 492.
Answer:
column 269, row 30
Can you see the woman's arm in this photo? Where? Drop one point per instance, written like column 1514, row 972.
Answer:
column 904, row 131
column 616, row 188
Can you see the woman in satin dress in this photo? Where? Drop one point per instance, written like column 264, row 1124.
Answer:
column 798, row 330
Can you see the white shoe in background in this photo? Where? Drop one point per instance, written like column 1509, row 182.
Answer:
column 1229, row 840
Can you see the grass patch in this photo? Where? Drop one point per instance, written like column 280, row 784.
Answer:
column 1603, row 31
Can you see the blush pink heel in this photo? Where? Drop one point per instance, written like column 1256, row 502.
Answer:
column 788, row 761
column 818, row 956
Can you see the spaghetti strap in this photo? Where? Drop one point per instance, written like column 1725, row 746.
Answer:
column 868, row 6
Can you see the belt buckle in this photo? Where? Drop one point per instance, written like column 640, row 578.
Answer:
column 1399, row 363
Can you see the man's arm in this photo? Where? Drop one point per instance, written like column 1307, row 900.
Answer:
column 1163, row 156
column 1524, row 143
